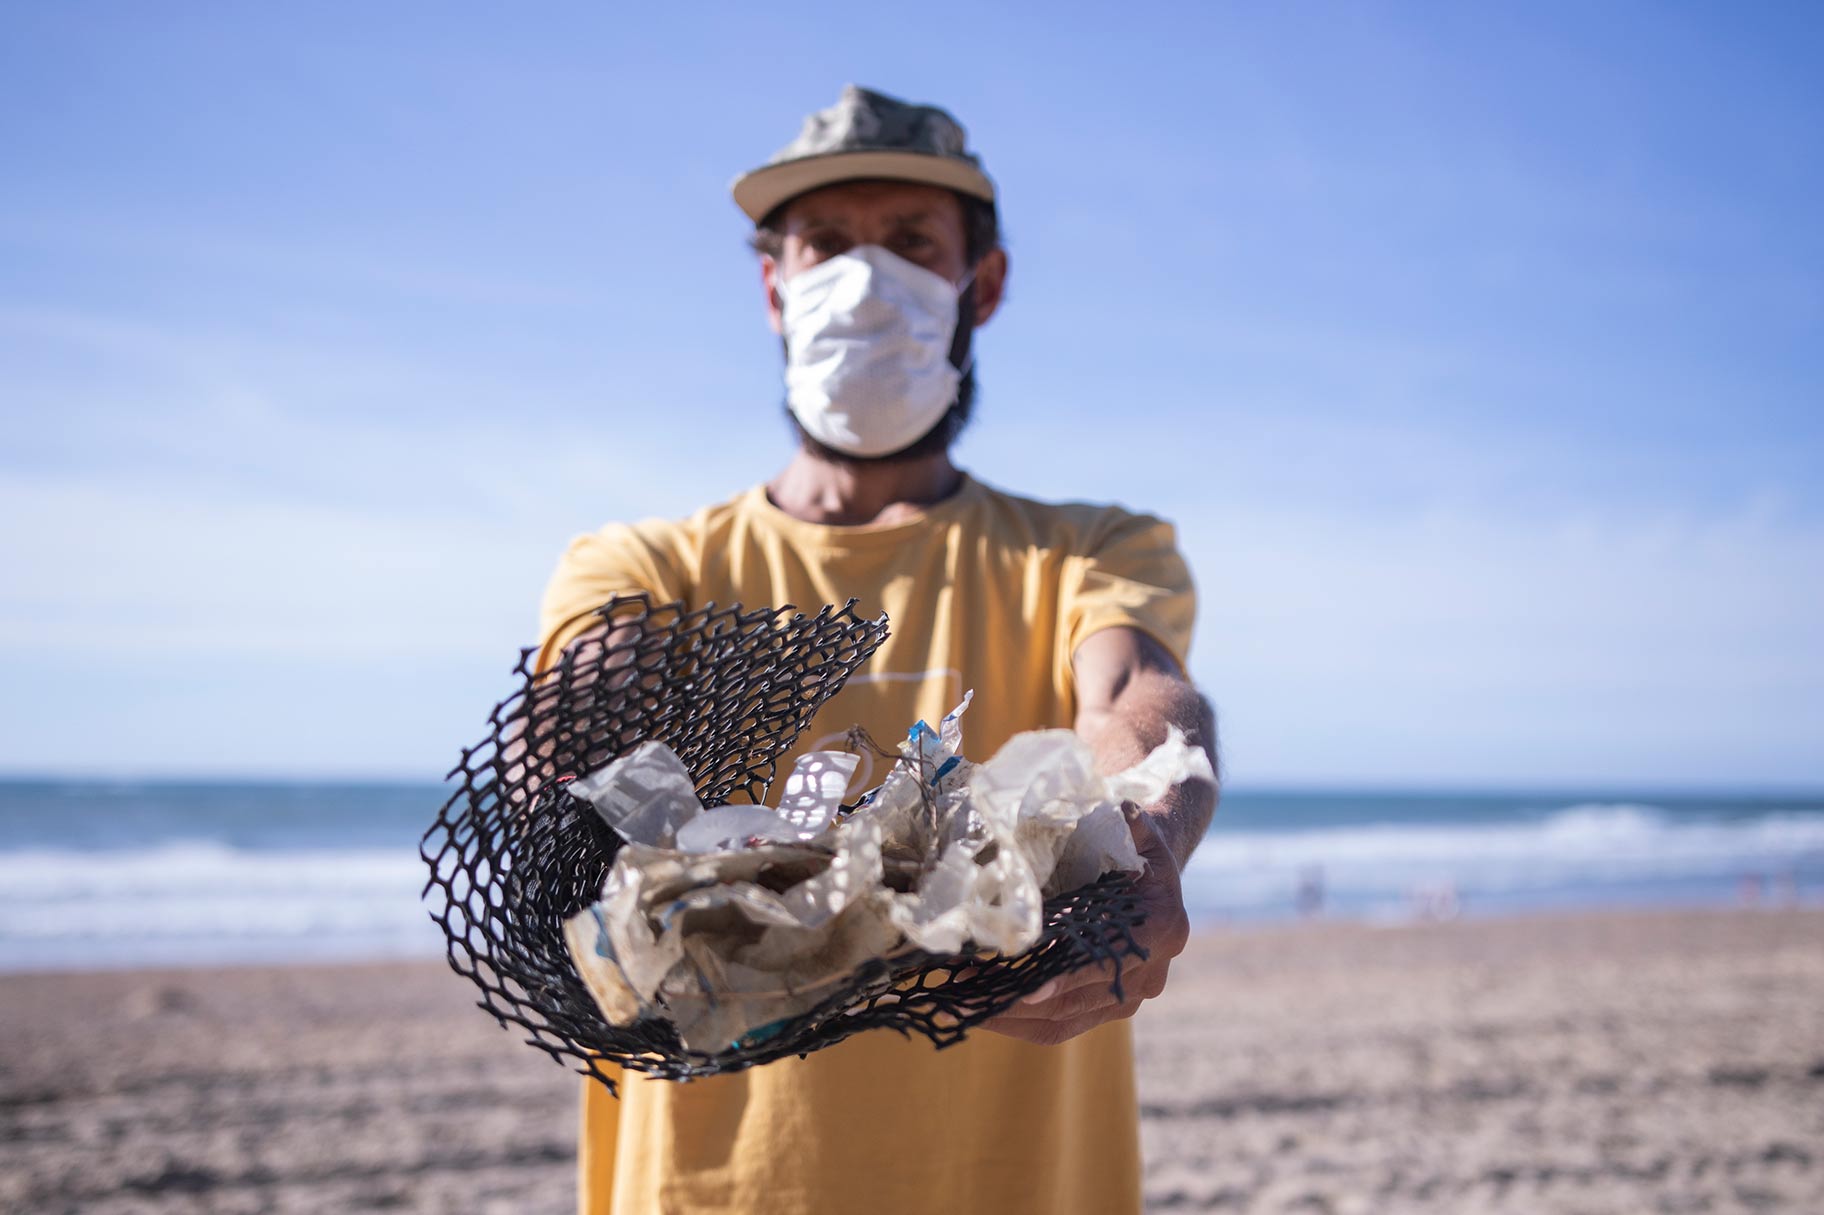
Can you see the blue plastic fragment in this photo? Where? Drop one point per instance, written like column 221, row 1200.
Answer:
column 755, row 1037
column 945, row 767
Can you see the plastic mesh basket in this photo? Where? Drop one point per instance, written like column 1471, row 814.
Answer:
column 513, row 856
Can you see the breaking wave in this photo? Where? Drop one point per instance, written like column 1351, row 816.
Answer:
column 1581, row 854
column 205, row 901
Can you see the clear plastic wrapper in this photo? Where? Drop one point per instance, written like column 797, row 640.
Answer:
column 727, row 921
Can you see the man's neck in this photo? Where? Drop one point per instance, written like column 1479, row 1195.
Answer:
column 821, row 491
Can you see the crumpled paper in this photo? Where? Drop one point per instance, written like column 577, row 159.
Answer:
column 728, row 921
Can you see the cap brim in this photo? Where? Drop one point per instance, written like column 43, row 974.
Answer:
column 757, row 193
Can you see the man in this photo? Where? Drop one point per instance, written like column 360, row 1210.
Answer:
column 879, row 254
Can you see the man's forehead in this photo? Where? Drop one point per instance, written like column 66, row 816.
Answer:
column 892, row 200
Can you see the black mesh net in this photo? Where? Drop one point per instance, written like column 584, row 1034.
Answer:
column 513, row 856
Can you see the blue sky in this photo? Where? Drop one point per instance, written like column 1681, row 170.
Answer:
column 1477, row 351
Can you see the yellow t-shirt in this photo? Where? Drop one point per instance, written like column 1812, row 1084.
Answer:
column 983, row 590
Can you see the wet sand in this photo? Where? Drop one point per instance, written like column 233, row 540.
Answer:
column 1626, row 1063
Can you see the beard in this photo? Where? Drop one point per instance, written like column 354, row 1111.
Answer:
column 934, row 442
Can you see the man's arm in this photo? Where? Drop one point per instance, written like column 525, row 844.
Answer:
column 1129, row 693
column 593, row 658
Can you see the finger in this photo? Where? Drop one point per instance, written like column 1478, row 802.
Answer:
column 1038, row 1033
column 1044, row 1031
column 1090, row 974
column 1139, row 983
column 1156, row 942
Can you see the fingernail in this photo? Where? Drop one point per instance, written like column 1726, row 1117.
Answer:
column 1042, row 994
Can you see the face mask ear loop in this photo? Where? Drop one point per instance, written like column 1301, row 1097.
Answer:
column 961, row 356
column 777, row 291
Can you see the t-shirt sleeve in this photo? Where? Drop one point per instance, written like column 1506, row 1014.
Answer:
column 1129, row 574
column 617, row 560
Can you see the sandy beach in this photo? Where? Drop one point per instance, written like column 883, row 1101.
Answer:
column 1625, row 1063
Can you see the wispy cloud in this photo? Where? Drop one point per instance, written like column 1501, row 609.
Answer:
column 1407, row 641
column 1476, row 359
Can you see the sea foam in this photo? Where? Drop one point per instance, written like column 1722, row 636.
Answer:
column 205, row 901
column 1583, row 853
column 201, row 901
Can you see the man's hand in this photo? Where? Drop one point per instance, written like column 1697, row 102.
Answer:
column 1130, row 693
column 1084, row 999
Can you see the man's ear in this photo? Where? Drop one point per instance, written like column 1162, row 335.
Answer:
column 769, row 282
column 990, row 284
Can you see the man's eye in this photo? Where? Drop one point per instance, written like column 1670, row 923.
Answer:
column 826, row 245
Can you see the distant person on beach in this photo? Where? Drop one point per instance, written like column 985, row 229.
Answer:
column 1310, row 896
column 880, row 255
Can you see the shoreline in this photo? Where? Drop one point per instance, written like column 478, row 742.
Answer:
column 1202, row 923
column 1616, row 1061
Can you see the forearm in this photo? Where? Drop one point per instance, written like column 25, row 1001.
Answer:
column 1136, row 720
column 1129, row 698
column 599, row 654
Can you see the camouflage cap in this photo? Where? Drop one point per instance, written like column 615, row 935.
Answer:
column 866, row 134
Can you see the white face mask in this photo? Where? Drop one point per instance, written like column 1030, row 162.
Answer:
column 867, row 341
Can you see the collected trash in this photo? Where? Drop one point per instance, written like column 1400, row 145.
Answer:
column 520, row 851
column 727, row 921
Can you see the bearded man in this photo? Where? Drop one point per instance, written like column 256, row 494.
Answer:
column 879, row 254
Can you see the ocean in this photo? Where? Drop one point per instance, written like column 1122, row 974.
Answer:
column 118, row 873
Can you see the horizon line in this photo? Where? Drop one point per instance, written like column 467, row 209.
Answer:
column 1419, row 787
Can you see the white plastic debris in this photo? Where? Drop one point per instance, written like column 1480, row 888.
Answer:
column 725, row 921
column 813, row 792
column 645, row 795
